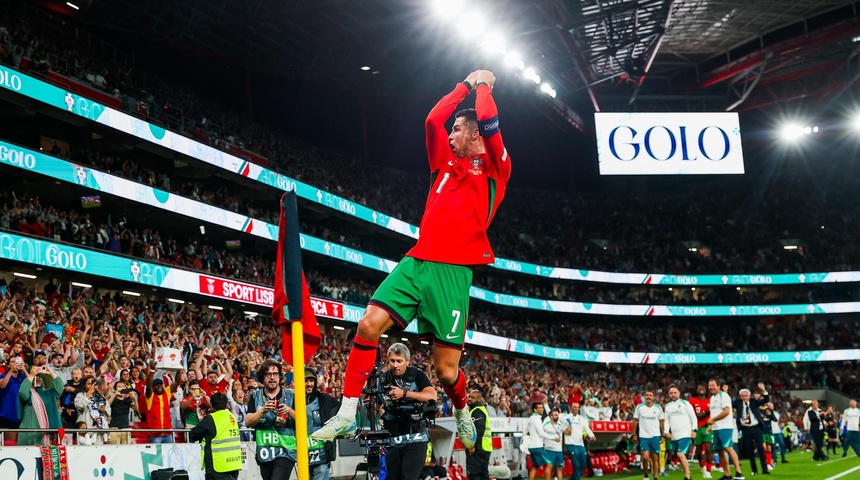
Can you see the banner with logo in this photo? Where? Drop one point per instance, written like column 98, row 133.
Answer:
column 49, row 254
column 669, row 143
column 66, row 257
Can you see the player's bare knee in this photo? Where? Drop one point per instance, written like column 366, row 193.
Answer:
column 374, row 323
column 447, row 374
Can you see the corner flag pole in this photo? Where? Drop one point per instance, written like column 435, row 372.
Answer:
column 292, row 305
column 302, row 438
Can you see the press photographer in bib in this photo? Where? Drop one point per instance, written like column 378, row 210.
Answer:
column 408, row 403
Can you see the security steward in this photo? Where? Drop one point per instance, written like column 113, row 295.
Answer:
column 478, row 457
column 218, row 432
column 408, row 400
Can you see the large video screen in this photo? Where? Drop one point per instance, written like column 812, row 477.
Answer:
column 669, row 143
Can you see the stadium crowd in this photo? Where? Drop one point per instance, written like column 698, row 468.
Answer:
column 28, row 215
column 101, row 347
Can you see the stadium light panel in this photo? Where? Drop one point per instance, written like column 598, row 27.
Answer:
column 24, row 275
column 175, row 300
column 384, row 335
column 530, row 74
column 365, row 68
column 791, row 132
column 82, row 285
column 72, row 5
column 493, row 43
column 250, row 313
column 215, row 307
column 547, row 89
column 404, row 339
column 448, row 8
column 130, row 293
column 513, row 59
column 471, row 25
column 338, row 327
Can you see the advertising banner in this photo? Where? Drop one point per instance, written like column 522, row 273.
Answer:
column 669, row 143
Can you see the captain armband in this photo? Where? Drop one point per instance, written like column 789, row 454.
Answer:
column 489, row 126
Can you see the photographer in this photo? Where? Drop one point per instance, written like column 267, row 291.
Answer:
column 274, row 423
column 408, row 400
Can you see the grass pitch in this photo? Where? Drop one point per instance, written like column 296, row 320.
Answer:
column 800, row 467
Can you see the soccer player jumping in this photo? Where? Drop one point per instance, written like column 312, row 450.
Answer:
column 469, row 170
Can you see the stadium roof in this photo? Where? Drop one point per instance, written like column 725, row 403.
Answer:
column 615, row 55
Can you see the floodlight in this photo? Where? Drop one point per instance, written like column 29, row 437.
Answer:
column 471, row 25
column 530, row 74
column 493, row 43
column 513, row 59
column 448, row 8
column 791, row 131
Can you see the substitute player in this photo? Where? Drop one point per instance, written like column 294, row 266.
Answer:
column 682, row 424
column 702, row 406
column 649, row 418
column 469, row 171
column 722, row 426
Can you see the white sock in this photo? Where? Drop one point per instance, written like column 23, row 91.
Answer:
column 347, row 407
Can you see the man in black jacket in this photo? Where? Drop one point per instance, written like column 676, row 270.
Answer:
column 751, row 426
column 320, row 407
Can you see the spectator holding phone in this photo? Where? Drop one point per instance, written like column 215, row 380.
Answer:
column 122, row 401
column 40, row 397
column 195, row 405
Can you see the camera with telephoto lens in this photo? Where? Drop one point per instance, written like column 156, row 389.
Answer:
column 416, row 410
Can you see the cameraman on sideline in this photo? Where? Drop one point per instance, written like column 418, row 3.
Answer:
column 406, row 398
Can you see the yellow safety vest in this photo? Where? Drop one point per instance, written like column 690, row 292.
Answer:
column 226, row 445
column 429, row 456
column 487, row 440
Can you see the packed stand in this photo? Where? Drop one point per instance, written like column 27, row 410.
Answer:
column 101, row 344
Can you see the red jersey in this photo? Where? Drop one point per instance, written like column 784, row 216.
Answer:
column 465, row 192
column 211, row 389
column 701, row 406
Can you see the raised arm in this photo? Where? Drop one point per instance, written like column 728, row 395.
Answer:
column 438, row 149
column 488, row 125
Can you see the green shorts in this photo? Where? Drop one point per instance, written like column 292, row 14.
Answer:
column 437, row 294
column 703, row 436
column 768, row 438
